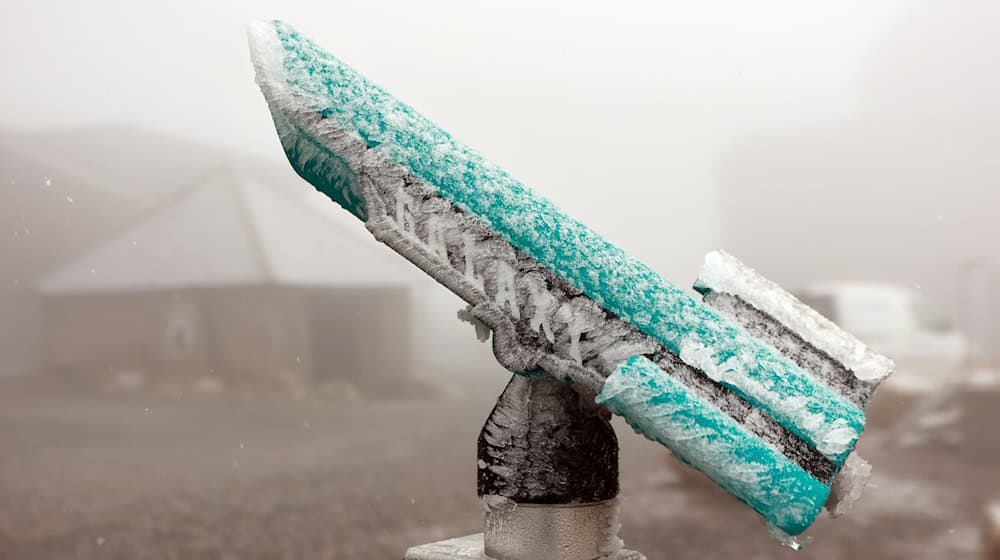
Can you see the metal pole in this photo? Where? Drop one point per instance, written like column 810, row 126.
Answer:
column 548, row 479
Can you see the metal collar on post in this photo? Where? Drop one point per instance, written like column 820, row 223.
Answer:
column 552, row 532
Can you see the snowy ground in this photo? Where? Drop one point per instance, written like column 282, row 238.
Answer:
column 88, row 477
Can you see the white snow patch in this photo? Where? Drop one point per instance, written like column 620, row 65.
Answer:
column 506, row 289
column 849, row 485
column 612, row 545
column 724, row 273
column 984, row 378
column 470, row 250
column 482, row 329
column 495, row 503
column 794, row 543
column 543, row 301
column 266, row 52
column 831, row 438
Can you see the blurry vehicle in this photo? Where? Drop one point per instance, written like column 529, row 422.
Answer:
column 895, row 320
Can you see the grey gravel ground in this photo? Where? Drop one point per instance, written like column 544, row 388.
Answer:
column 129, row 478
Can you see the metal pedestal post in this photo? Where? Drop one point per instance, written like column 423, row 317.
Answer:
column 548, row 478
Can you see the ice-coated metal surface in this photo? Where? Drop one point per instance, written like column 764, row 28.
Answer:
column 470, row 547
column 544, row 443
column 462, row 548
column 553, row 532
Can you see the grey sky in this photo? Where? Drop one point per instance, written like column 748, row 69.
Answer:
column 632, row 102
column 636, row 117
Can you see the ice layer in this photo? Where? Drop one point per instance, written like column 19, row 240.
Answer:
column 701, row 435
column 614, row 279
column 557, row 296
column 722, row 272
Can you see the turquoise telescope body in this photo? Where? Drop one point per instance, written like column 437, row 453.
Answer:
column 748, row 386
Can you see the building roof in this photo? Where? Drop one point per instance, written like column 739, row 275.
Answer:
column 66, row 189
column 235, row 227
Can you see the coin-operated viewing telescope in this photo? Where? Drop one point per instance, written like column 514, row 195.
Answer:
column 749, row 385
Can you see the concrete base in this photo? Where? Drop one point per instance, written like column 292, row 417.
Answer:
column 470, row 547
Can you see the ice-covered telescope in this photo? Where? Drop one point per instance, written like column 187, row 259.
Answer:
column 750, row 387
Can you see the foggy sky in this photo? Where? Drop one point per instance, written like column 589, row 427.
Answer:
column 594, row 107
column 629, row 117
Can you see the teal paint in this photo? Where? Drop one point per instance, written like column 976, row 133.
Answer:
column 620, row 283
column 665, row 410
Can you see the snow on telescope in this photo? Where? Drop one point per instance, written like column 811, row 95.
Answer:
column 749, row 386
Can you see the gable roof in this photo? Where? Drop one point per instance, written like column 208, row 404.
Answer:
column 233, row 228
column 65, row 189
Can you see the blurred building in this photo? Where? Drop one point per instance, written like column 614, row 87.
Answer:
column 230, row 284
column 65, row 190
